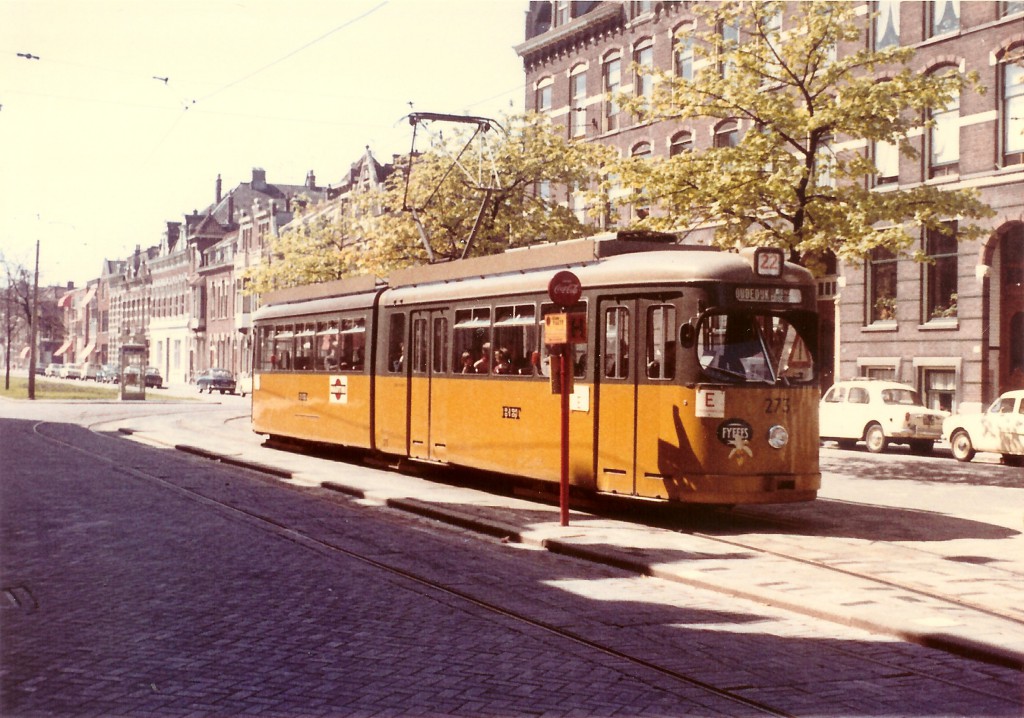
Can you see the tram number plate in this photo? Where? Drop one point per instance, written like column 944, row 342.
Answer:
column 777, row 405
column 511, row 412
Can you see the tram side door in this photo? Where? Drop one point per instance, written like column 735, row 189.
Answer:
column 636, row 357
column 429, row 364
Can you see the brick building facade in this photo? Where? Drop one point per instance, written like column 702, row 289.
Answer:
column 953, row 328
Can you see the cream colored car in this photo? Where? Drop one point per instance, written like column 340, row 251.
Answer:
column 879, row 413
column 1000, row 430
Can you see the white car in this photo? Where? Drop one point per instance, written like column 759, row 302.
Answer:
column 1000, row 430
column 879, row 413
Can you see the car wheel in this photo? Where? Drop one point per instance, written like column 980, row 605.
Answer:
column 875, row 439
column 960, row 443
column 200, row 390
column 921, row 448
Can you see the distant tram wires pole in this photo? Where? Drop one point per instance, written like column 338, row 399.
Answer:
column 476, row 180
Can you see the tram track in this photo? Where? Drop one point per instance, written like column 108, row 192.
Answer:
column 331, row 549
column 268, row 524
column 794, row 526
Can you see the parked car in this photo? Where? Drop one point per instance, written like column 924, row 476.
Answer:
column 70, row 371
column 107, row 374
column 1000, row 430
column 153, row 378
column 219, row 379
column 879, row 413
column 88, row 371
column 52, row 369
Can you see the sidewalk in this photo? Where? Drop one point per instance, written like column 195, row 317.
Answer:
column 693, row 560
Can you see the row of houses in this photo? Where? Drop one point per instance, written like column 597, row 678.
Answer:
column 954, row 327
column 184, row 298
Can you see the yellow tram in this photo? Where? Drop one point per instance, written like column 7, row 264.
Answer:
column 697, row 383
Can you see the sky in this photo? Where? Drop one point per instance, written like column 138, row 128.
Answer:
column 133, row 108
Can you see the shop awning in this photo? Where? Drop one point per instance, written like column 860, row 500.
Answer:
column 63, row 348
column 88, row 296
column 65, row 301
column 87, row 351
column 25, row 351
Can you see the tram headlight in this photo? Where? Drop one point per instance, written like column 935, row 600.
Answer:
column 778, row 436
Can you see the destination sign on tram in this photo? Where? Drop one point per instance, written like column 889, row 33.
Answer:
column 773, row 295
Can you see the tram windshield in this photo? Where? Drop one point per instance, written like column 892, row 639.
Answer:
column 747, row 348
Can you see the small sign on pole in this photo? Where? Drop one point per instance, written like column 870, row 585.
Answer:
column 561, row 331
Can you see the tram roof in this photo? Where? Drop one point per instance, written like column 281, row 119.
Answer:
column 602, row 261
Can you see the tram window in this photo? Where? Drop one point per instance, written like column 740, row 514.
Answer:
column 283, row 346
column 515, row 340
column 266, row 361
column 579, row 350
column 439, row 359
column 328, row 352
column 471, row 341
column 616, row 343
column 661, row 345
column 756, row 348
column 305, row 336
column 352, row 344
column 419, row 345
column 396, row 343
column 791, row 358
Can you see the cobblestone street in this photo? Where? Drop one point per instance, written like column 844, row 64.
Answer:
column 147, row 582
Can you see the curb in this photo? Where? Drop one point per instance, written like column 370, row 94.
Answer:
column 243, row 463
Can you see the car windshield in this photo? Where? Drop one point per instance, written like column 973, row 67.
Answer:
column 756, row 348
column 899, row 396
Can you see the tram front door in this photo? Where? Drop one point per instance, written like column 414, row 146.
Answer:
column 636, row 346
column 429, row 359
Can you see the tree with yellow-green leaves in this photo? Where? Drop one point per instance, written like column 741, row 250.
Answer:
column 494, row 192
column 785, row 180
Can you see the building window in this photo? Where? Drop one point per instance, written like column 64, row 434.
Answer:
column 578, row 205
column 681, row 142
column 578, row 98
column 887, row 163
column 1011, row 7
column 562, row 12
column 728, row 39
column 612, row 81
column 727, row 134
column 643, row 57
column 944, row 140
column 544, row 95
column 881, row 281
column 941, row 273
column 1012, row 119
column 945, row 17
column 683, row 55
column 641, row 151
column 939, row 388
column 887, row 24
column 544, row 191
column 825, row 164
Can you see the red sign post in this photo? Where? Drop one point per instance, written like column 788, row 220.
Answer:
column 565, row 290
